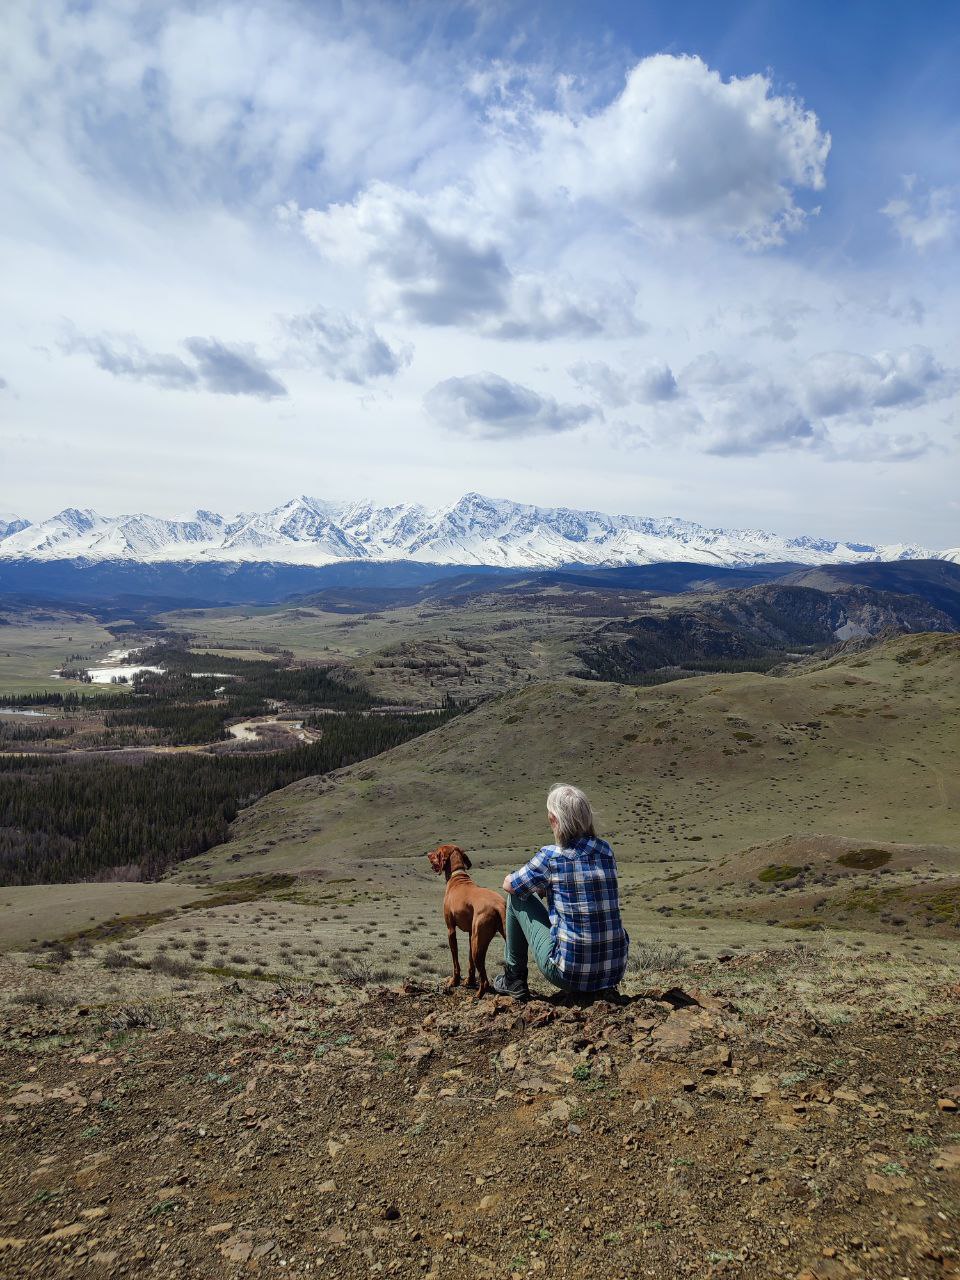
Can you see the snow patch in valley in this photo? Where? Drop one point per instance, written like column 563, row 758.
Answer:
column 106, row 675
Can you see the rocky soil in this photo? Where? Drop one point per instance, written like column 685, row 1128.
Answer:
column 257, row 1129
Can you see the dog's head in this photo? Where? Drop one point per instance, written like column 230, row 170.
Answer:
column 441, row 857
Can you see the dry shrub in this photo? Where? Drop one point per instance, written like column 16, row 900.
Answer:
column 655, row 957
column 356, row 971
column 162, row 963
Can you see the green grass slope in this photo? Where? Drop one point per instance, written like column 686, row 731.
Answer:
column 863, row 746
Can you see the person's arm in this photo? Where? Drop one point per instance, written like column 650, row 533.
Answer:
column 532, row 877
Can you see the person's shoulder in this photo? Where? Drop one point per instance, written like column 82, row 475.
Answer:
column 547, row 855
column 600, row 846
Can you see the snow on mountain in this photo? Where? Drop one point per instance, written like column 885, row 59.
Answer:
column 63, row 535
column 11, row 524
column 305, row 529
column 474, row 530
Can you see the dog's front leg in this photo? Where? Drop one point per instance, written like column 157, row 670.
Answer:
column 452, row 939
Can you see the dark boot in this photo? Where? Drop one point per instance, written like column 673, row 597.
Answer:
column 512, row 982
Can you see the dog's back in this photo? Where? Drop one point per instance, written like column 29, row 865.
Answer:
column 480, row 913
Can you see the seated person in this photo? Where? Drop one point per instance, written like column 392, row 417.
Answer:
column 578, row 940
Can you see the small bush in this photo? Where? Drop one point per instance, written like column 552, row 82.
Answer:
column 655, row 957
column 115, row 959
column 38, row 999
column 162, row 963
column 355, row 971
column 58, row 952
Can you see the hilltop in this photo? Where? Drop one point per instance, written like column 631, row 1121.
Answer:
column 729, row 1127
column 862, row 745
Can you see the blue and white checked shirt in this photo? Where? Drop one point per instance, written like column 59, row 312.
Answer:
column 580, row 882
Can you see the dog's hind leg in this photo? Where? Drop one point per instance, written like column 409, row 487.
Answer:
column 483, row 931
column 472, row 971
column 452, row 939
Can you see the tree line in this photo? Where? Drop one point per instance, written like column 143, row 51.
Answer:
column 67, row 818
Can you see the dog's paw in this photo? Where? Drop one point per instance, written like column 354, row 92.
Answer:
column 471, row 983
column 452, row 982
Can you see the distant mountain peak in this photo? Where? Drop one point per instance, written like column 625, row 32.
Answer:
column 473, row 530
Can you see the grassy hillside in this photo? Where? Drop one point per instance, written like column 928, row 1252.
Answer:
column 36, row 642
column 415, row 653
column 861, row 746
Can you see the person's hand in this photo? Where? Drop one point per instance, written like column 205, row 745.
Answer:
column 506, row 884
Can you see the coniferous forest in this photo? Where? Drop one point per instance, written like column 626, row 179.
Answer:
column 92, row 793
column 87, row 816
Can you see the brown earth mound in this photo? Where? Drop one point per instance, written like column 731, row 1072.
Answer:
column 791, row 856
column 406, row 1133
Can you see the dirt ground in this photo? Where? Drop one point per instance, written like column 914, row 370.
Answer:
column 689, row 1130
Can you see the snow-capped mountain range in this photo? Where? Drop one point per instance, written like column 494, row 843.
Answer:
column 472, row 531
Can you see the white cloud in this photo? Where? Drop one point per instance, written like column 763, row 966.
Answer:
column 422, row 259
column 679, row 151
column 838, row 383
column 650, row 384
column 233, row 369
column 725, row 405
column 927, row 218
column 237, row 98
column 437, row 261
column 341, row 346
column 757, row 415
column 487, row 405
column 681, row 148
column 540, row 309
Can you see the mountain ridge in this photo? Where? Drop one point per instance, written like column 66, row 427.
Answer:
column 474, row 530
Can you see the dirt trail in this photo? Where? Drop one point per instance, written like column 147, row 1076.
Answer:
column 406, row 1133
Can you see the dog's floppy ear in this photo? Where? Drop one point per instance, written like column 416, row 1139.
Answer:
column 439, row 857
column 455, row 848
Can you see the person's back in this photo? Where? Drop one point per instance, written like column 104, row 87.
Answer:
column 583, row 901
column 578, row 941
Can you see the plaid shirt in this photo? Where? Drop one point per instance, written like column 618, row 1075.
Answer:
column 580, row 883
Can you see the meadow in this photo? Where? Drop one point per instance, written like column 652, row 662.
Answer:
column 36, row 642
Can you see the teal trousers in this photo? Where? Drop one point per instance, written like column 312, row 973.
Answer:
column 528, row 929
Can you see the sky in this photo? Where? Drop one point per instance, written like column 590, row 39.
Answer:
column 689, row 259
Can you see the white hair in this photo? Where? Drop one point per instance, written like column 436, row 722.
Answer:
column 573, row 813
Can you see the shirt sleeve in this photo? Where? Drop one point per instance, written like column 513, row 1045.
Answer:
column 533, row 877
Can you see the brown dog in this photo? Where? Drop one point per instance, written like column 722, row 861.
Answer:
column 481, row 913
